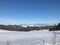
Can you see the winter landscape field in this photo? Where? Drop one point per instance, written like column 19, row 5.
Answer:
column 41, row 37
column 29, row 22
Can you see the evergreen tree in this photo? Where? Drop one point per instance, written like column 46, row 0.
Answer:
column 58, row 27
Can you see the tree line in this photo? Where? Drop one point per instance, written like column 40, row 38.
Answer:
column 55, row 28
column 20, row 28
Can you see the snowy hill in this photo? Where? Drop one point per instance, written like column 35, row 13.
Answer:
column 25, row 38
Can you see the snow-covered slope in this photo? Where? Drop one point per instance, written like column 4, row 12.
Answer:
column 25, row 38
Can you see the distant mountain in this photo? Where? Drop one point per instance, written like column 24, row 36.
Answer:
column 26, row 27
column 32, row 25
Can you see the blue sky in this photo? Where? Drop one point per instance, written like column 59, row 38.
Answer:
column 29, row 11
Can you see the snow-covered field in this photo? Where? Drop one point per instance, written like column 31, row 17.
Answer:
column 42, row 37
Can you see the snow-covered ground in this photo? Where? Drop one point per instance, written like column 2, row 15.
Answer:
column 41, row 37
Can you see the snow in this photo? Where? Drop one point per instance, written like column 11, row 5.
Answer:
column 25, row 38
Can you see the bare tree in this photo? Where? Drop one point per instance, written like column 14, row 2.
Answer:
column 8, row 42
column 54, row 38
column 43, row 42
